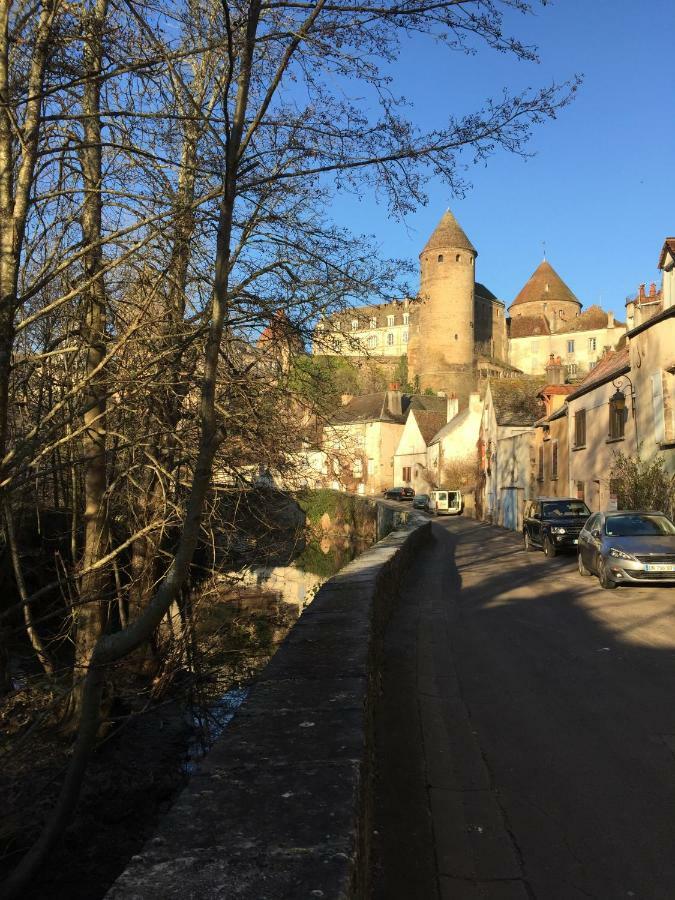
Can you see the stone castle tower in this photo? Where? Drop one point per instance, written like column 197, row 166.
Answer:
column 441, row 344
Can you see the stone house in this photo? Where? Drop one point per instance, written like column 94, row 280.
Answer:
column 506, row 450
column 360, row 442
column 410, row 460
column 598, row 426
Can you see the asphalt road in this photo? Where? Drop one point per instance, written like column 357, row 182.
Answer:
column 526, row 734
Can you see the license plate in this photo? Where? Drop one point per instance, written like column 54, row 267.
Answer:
column 659, row 567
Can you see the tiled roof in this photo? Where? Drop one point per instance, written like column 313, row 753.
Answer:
column 590, row 318
column 448, row 233
column 545, row 284
column 366, row 408
column 561, row 389
column 611, row 364
column 528, row 326
column 668, row 247
column 516, row 400
column 429, row 423
column 428, row 402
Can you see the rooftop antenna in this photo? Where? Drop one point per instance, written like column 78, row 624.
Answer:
column 543, row 244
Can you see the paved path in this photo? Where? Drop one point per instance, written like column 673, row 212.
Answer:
column 526, row 737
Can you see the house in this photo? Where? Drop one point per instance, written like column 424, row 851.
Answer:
column 600, row 423
column 451, row 454
column 360, row 442
column 410, row 460
column 551, row 445
column 506, row 450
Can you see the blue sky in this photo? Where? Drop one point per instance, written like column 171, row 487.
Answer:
column 600, row 189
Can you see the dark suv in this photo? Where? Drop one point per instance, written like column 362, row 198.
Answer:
column 399, row 493
column 553, row 523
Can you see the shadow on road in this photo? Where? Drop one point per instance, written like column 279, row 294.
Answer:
column 511, row 678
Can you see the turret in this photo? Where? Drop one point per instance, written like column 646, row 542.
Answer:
column 441, row 349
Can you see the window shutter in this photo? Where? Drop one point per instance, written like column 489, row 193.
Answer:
column 657, row 405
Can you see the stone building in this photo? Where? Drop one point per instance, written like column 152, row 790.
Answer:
column 456, row 333
column 546, row 318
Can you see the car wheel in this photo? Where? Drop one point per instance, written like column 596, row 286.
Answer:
column 549, row 547
column 606, row 580
column 580, row 565
column 527, row 542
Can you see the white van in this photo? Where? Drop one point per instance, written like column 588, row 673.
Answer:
column 445, row 503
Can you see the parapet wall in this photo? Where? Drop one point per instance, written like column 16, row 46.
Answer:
column 281, row 806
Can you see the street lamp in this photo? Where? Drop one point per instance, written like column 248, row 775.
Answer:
column 618, row 400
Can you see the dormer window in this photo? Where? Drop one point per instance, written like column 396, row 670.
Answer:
column 406, row 318
column 390, row 321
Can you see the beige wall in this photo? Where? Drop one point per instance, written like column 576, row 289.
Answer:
column 373, row 334
column 411, row 452
column 652, row 356
column 531, row 354
column 557, row 435
column 361, row 455
column 593, row 463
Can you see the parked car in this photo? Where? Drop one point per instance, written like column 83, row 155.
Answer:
column 421, row 501
column 553, row 523
column 445, row 503
column 399, row 493
column 628, row 547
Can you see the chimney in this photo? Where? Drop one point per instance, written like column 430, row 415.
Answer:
column 393, row 403
column 652, row 291
column 610, row 320
column 641, row 294
column 555, row 371
column 452, row 407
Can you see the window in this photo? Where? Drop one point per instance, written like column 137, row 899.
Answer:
column 617, row 421
column 592, row 344
column 458, row 258
column 405, row 337
column 572, row 369
column 570, row 346
column 406, row 318
column 580, row 490
column 371, row 466
column 372, row 341
column 407, row 473
column 372, row 322
column 554, row 460
column 440, row 257
column 390, row 340
column 580, row 428
column 390, row 321
column 355, row 324
column 540, row 465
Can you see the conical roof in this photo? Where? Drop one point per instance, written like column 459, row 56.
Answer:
column 449, row 234
column 545, row 284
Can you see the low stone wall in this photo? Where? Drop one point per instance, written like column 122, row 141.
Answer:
column 280, row 807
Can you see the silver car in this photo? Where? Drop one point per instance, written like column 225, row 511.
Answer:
column 628, row 547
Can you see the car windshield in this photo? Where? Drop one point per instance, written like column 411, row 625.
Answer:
column 565, row 508
column 421, row 496
column 633, row 525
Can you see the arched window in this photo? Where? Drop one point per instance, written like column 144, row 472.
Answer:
column 440, row 257
column 456, row 337
column 458, row 258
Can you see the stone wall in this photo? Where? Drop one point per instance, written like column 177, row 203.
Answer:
column 281, row 806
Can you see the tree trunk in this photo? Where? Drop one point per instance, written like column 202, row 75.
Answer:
column 91, row 614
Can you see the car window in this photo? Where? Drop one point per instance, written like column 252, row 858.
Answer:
column 634, row 525
column 564, row 508
column 442, row 495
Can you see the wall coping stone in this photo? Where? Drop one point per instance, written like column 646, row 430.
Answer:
column 280, row 807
